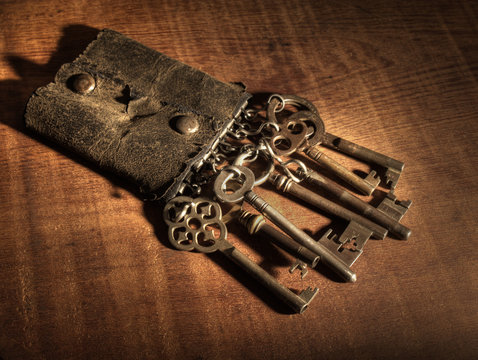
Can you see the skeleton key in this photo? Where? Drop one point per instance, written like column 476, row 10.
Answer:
column 380, row 216
column 196, row 224
column 393, row 167
column 286, row 185
column 315, row 137
column 256, row 224
column 245, row 178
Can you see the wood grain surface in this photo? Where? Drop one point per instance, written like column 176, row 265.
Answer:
column 86, row 269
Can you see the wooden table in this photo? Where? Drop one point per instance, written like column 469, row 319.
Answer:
column 86, row 268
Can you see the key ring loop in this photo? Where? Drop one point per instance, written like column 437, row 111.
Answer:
column 239, row 161
column 245, row 131
column 284, row 164
column 281, row 99
column 251, row 113
column 289, row 173
column 293, row 100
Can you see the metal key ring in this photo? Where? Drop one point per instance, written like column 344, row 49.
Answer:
column 319, row 130
column 289, row 173
column 283, row 164
column 241, row 174
column 280, row 98
column 293, row 100
column 239, row 161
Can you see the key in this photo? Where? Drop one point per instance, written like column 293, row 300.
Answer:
column 393, row 167
column 196, row 224
column 286, row 185
column 377, row 215
column 243, row 178
column 256, row 224
column 367, row 186
column 315, row 137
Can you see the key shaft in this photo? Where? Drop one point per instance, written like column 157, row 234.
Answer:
column 394, row 167
column 244, row 177
column 345, row 174
column 190, row 227
column 326, row 256
column 298, row 303
column 357, row 204
column 256, row 224
column 284, row 184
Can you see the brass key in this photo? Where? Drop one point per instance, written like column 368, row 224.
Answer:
column 255, row 224
column 394, row 167
column 244, row 178
column 357, row 204
column 286, row 185
column 315, row 137
column 196, row 224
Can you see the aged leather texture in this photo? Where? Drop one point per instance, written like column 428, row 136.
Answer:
column 125, row 124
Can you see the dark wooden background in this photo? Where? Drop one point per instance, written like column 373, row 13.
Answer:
column 86, row 271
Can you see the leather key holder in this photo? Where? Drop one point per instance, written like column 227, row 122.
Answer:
column 136, row 112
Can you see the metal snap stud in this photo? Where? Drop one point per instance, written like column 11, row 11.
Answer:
column 186, row 124
column 83, row 83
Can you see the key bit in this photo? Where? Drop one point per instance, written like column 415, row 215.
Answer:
column 308, row 294
column 299, row 265
column 372, row 179
column 394, row 208
column 298, row 303
column 348, row 246
column 391, row 177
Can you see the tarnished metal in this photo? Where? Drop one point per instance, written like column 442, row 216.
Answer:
column 393, row 167
column 240, row 176
column 366, row 186
column 394, row 208
column 83, row 83
column 349, row 246
column 289, row 137
column 377, row 215
column 256, row 224
column 186, row 124
column 246, row 193
column 288, row 186
column 299, row 303
column 246, row 157
column 316, row 136
column 194, row 224
column 176, row 130
column 196, row 229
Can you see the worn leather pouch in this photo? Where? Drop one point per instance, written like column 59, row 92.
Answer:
column 128, row 123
